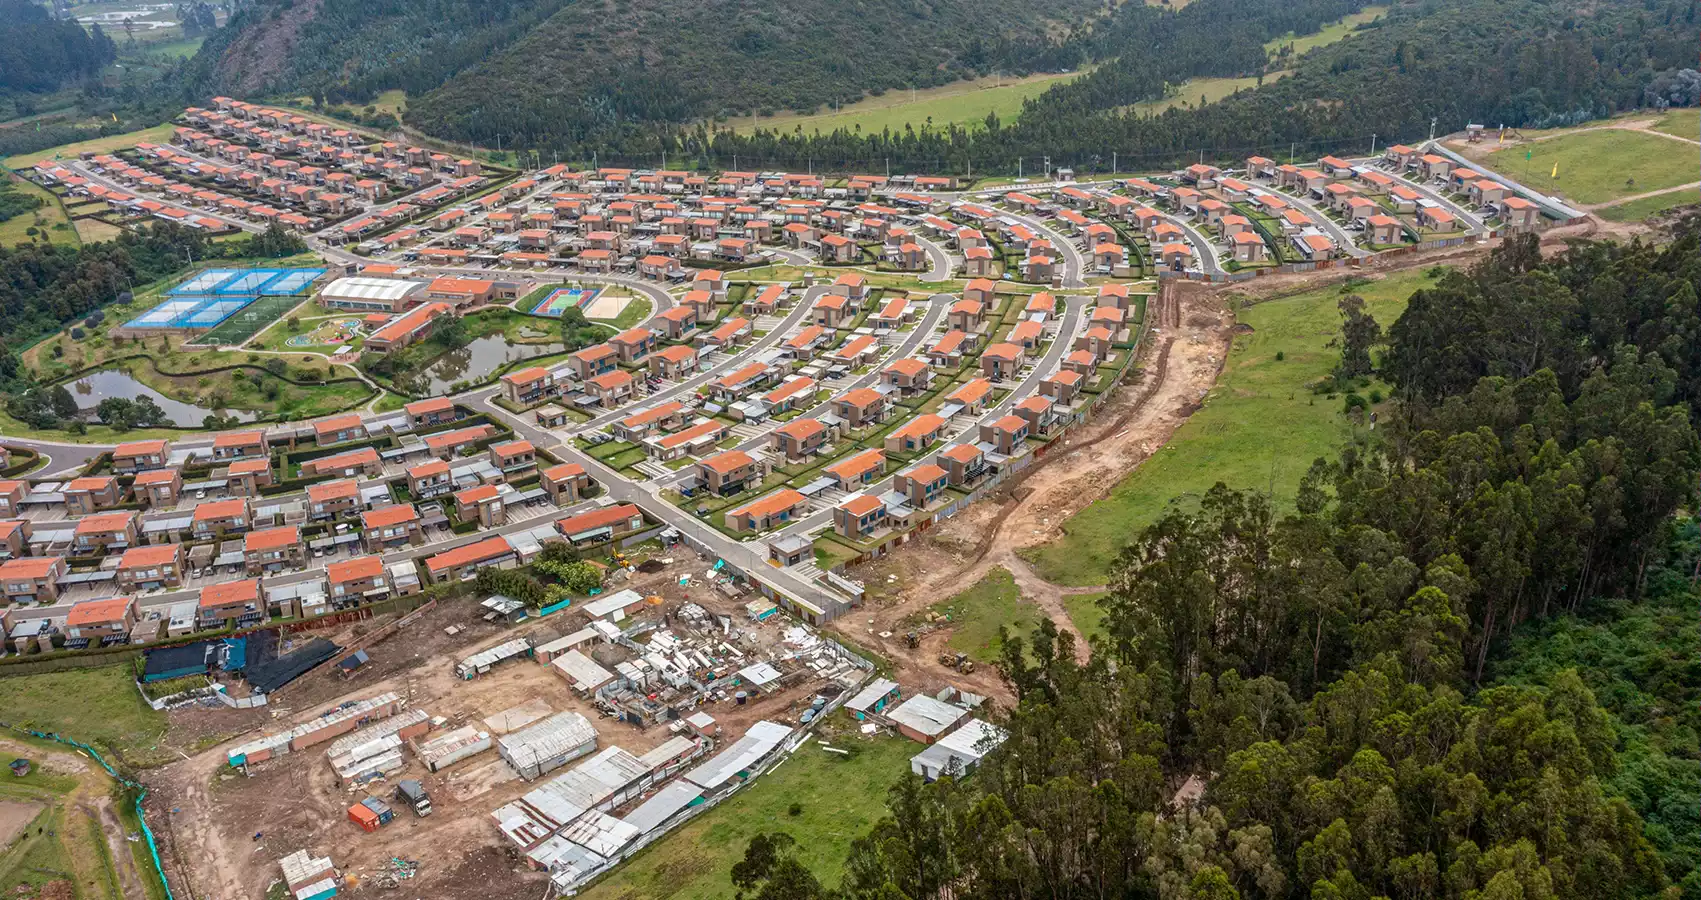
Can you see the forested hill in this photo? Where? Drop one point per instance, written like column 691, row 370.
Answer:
column 592, row 62
column 38, row 53
column 1464, row 667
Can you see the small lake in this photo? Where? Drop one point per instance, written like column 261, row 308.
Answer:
column 90, row 389
column 474, row 363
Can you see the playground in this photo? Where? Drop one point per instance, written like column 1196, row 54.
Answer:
column 330, row 333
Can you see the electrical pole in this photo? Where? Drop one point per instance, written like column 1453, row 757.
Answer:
column 1373, row 143
column 1113, row 165
column 1290, row 152
column 1432, row 128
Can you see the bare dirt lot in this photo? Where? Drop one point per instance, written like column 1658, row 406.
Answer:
column 15, row 816
column 226, row 829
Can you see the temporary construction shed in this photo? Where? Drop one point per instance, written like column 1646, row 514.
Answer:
column 556, row 741
column 922, row 718
column 959, row 752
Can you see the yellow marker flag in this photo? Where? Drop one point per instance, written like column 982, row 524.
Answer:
column 114, row 117
column 1555, row 173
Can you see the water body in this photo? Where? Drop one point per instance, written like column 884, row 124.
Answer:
column 474, row 363
column 97, row 386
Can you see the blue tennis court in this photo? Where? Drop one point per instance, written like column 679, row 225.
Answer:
column 203, row 301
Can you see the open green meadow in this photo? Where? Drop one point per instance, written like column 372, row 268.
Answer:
column 1598, row 166
column 98, row 144
column 838, row 799
column 1684, row 123
column 1260, row 427
column 107, row 711
column 1328, row 34
column 961, row 103
column 978, row 611
column 1637, row 210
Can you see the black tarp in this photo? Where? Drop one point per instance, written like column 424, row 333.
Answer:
column 270, row 676
column 176, row 662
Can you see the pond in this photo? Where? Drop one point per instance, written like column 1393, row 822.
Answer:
column 472, row 363
column 90, row 389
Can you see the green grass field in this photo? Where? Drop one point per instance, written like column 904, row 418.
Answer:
column 1196, row 91
column 1260, row 427
column 1328, row 34
column 962, row 103
column 977, row 612
column 48, row 220
column 1084, row 611
column 1598, row 166
column 107, row 713
column 840, row 798
column 1685, row 123
column 156, row 134
column 1637, row 210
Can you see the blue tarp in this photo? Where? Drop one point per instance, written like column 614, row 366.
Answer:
column 235, row 654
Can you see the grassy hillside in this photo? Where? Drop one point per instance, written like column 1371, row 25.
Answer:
column 1599, row 166
column 1261, row 427
column 965, row 103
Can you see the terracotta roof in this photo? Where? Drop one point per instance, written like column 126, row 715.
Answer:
column 771, row 504
column 597, row 518
column 97, row 612
column 153, row 555
column 271, row 538
column 90, row 483
column 477, row 494
column 250, row 466
column 861, row 505
column 138, row 448
column 858, row 464
column 333, row 490
column 489, row 548
column 927, row 423
column 564, row 471
column 511, row 448
column 963, row 453
column 925, row 473
column 27, row 567
column 727, row 462
column 230, row 592
column 155, row 476
column 357, row 569
column 105, row 522
column 389, row 515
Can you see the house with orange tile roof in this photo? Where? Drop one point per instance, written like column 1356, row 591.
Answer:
column 696, row 439
column 836, row 248
column 666, row 417
column 432, row 411
column 1006, row 434
column 978, row 262
column 32, row 579
column 14, row 538
column 482, row 504
column 446, row 445
column 332, row 499
column 389, row 527
column 363, row 461
column 773, row 511
column 1001, row 361
column 923, row 485
column 564, row 483
column 852, row 286
column 158, row 488
column 240, row 445
column 733, row 386
column 859, row 516
column 676, row 362
column 137, row 456
column 893, row 315
column 429, row 479
column 858, row 471
column 800, row 438
column 1313, row 247
column 593, row 361
column 964, row 464
column 909, row 377
column 237, row 602
column 273, row 549
column 916, row 435
column 612, row 388
column 1062, row 386
column 860, row 350
column 90, row 493
column 633, row 343
column 104, row 531
column 728, row 473
column 1434, row 218
column 966, row 315
column 513, row 457
column 1041, row 416
column 150, row 568
column 1518, row 214
column 220, row 517
column 1383, row 230
column 97, row 622
column 336, row 429
column 357, row 581
column 603, row 524
column 409, row 328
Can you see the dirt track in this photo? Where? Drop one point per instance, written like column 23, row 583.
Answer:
column 1180, row 362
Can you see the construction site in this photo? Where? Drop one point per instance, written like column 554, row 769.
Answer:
column 509, row 755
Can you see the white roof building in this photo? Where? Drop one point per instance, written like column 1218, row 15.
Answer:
column 359, row 289
column 958, row 752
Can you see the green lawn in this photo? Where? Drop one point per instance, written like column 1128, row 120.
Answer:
column 1260, row 427
column 96, row 706
column 976, row 613
column 1598, row 166
column 840, row 798
column 1685, row 123
column 1084, row 611
column 1637, row 210
column 961, row 103
column 48, row 220
column 158, row 134
column 1194, row 91
column 1328, row 34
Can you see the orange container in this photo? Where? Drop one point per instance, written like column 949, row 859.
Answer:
column 365, row 818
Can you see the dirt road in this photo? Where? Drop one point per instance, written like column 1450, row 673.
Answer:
column 1179, row 363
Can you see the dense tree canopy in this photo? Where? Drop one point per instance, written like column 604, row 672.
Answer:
column 39, row 53
column 1402, row 689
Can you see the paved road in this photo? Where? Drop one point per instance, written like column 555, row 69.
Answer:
column 1473, row 223
column 1074, row 265
column 939, row 266
column 938, row 304
column 1202, row 244
column 1073, row 316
